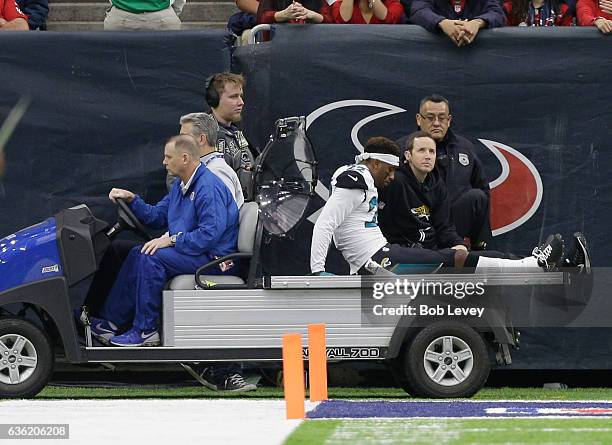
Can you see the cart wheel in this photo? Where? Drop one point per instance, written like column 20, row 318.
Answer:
column 26, row 358
column 447, row 359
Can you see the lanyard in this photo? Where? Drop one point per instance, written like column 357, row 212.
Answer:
column 215, row 156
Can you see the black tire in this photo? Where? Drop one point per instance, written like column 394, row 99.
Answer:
column 432, row 378
column 36, row 352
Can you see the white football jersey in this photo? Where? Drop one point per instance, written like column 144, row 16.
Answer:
column 351, row 217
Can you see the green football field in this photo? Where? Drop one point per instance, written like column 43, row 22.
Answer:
column 540, row 431
column 569, row 430
column 460, row 431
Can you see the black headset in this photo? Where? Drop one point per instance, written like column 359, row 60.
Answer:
column 211, row 95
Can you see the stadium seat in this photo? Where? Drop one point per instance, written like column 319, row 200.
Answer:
column 247, row 238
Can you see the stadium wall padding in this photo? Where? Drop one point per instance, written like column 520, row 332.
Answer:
column 103, row 105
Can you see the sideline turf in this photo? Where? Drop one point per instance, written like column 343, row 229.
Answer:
column 160, row 392
column 461, row 431
column 398, row 431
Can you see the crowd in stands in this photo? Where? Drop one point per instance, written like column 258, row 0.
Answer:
column 460, row 20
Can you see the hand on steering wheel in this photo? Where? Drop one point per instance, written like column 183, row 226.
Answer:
column 127, row 219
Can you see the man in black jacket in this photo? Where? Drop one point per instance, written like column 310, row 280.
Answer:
column 414, row 209
column 461, row 171
column 414, row 212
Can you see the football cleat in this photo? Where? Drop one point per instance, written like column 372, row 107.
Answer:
column 550, row 253
column 578, row 255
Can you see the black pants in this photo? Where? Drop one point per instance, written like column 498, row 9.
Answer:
column 470, row 214
column 410, row 260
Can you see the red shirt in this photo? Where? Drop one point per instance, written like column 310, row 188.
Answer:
column 587, row 10
column 394, row 13
column 9, row 11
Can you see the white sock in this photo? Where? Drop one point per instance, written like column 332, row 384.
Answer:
column 487, row 264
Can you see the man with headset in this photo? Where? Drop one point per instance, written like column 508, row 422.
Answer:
column 224, row 93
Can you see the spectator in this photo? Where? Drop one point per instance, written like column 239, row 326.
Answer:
column 461, row 171
column 249, row 6
column 460, row 20
column 11, row 17
column 286, row 11
column 36, row 10
column 245, row 19
column 590, row 13
column 143, row 15
column 537, row 13
column 369, row 12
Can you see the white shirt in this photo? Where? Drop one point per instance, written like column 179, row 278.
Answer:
column 215, row 162
column 185, row 187
column 350, row 216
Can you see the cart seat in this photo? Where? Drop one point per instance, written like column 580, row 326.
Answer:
column 187, row 282
column 249, row 213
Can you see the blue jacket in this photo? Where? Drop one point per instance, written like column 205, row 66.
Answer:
column 36, row 10
column 206, row 216
column 428, row 13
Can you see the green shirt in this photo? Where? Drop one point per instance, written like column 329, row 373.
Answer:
column 138, row 6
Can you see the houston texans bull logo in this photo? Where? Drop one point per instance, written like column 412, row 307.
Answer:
column 509, row 209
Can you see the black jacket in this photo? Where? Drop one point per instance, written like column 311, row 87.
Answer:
column 458, row 165
column 239, row 155
column 414, row 213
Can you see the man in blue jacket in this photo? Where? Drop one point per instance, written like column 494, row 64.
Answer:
column 460, row 20
column 202, row 220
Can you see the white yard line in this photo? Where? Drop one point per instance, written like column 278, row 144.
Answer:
column 155, row 421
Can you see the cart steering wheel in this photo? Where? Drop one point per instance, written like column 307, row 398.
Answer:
column 127, row 219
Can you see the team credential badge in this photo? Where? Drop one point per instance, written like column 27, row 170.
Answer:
column 463, row 159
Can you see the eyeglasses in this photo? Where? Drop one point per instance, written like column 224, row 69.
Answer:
column 431, row 118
